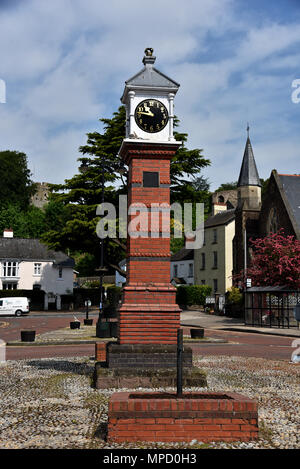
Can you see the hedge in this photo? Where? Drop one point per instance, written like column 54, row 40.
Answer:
column 192, row 294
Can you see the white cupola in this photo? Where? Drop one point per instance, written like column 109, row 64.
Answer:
column 148, row 98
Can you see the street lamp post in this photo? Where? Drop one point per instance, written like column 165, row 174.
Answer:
column 99, row 332
column 101, row 257
column 102, row 329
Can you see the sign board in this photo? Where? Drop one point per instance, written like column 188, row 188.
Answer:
column 88, row 303
column 248, row 283
column 221, row 301
column 210, row 300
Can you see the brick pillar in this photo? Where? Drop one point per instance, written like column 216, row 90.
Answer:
column 149, row 313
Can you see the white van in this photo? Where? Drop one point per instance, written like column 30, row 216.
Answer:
column 14, row 305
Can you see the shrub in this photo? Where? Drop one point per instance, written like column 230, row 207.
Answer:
column 82, row 294
column 234, row 296
column 192, row 294
column 114, row 294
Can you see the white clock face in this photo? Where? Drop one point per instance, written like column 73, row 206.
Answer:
column 151, row 115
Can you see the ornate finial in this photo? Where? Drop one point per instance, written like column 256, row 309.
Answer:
column 149, row 51
column 248, row 128
column 149, row 58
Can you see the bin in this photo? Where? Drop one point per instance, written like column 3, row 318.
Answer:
column 27, row 336
column 103, row 329
column 197, row 333
column 75, row 325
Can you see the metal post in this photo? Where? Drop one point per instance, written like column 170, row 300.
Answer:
column 101, row 257
column 86, row 309
column 179, row 361
column 245, row 274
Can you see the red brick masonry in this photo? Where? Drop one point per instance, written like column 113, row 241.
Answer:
column 100, row 351
column 166, row 418
column 149, row 313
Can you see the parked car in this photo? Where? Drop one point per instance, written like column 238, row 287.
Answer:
column 14, row 306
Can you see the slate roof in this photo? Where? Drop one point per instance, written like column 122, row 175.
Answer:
column 183, row 255
column 291, row 187
column 248, row 174
column 221, row 218
column 149, row 78
column 32, row 250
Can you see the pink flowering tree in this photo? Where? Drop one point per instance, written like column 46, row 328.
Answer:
column 275, row 261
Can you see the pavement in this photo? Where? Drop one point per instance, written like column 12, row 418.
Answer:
column 189, row 319
column 212, row 321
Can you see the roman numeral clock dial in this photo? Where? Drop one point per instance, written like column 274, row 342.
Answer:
column 151, row 115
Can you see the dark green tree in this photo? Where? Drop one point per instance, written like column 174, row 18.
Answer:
column 28, row 223
column 81, row 194
column 226, row 186
column 16, row 185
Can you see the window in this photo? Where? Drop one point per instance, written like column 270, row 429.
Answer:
column 175, row 270
column 60, row 272
column 202, row 261
column 37, row 268
column 202, row 282
column 191, row 270
column 215, row 264
column 215, row 236
column 10, row 286
column 215, row 285
column 10, row 269
column 204, row 237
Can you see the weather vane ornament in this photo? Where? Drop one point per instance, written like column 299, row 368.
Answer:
column 149, row 51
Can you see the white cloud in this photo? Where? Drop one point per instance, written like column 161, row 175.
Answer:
column 65, row 63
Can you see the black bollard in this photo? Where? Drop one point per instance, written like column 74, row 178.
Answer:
column 179, row 361
column 86, row 309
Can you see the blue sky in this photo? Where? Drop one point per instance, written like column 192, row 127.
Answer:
column 65, row 62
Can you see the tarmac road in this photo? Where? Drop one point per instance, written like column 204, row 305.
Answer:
column 10, row 326
column 243, row 344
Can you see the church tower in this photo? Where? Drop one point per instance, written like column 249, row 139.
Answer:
column 248, row 208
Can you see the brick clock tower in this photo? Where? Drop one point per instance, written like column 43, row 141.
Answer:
column 149, row 314
column 148, row 318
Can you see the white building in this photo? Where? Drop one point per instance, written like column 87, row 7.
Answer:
column 214, row 261
column 27, row 264
column 182, row 267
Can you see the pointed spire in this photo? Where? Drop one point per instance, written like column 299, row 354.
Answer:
column 248, row 174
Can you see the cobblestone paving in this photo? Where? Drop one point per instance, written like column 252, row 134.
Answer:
column 49, row 403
